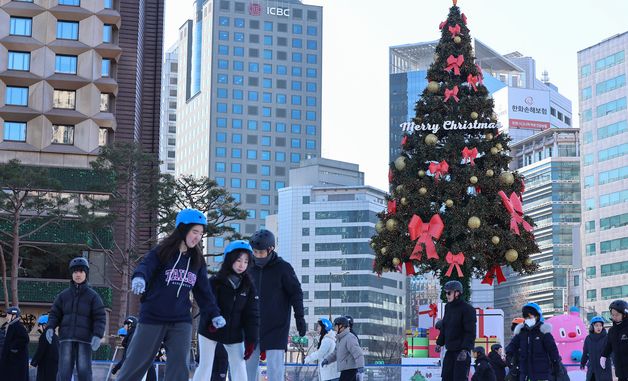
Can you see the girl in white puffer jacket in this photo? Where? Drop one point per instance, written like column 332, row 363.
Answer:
column 326, row 345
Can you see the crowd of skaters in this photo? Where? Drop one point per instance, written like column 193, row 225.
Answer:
column 245, row 312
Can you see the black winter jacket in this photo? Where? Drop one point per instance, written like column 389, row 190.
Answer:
column 279, row 289
column 591, row 352
column 125, row 345
column 483, row 370
column 46, row 358
column 79, row 313
column 498, row 364
column 459, row 322
column 239, row 307
column 536, row 351
column 14, row 361
column 617, row 344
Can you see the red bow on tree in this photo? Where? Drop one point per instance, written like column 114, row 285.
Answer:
column 514, row 207
column 454, row 260
column 425, row 232
column 452, row 93
column 454, row 30
column 454, row 63
column 404, row 140
column 464, row 19
column 480, row 75
column 495, row 271
column 469, row 155
column 409, row 268
column 473, row 81
column 390, row 176
column 442, row 24
column 392, row 206
column 438, row 169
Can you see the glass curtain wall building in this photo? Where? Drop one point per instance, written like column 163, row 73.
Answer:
column 249, row 98
column 168, row 123
column 604, row 128
column 326, row 219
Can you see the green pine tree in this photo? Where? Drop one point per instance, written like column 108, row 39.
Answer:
column 454, row 176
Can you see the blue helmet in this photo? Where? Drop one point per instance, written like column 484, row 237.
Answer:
column 122, row 332
column 238, row 245
column 326, row 324
column 597, row 319
column 43, row 319
column 533, row 309
column 190, row 216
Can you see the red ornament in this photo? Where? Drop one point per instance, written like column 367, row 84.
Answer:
column 453, row 93
column 392, row 206
column 425, row 233
column 454, row 260
column 438, row 169
column 495, row 271
column 454, row 63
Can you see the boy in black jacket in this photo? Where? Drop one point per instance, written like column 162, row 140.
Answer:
column 46, row 359
column 79, row 313
column 617, row 343
column 497, row 362
column 457, row 335
column 483, row 369
column 14, row 360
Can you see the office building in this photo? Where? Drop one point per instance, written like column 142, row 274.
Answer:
column 326, row 219
column 168, row 119
column 249, row 106
column 604, row 129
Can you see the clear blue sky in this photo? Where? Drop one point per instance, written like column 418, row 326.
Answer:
column 358, row 33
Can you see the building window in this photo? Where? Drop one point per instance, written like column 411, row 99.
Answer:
column 74, row 3
column 65, row 99
column 305, row 216
column 17, row 96
column 591, row 295
column 65, row 64
column 613, row 152
column 21, row 26
column 586, row 93
column 264, row 199
column 585, row 70
column 105, row 102
column 617, row 221
column 67, row 30
column 19, row 61
column 107, row 34
column 590, row 249
column 108, row 4
column 609, row 61
column 610, row 84
column 587, row 115
column 611, row 107
column 102, row 137
column 14, row 131
column 612, row 129
column 614, row 245
column 62, row 134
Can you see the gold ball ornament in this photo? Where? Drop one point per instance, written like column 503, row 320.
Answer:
column 391, row 225
column 396, row 261
column 373, row 245
column 511, row 255
column 474, row 115
column 383, row 250
column 421, row 173
column 431, row 139
column 495, row 239
column 404, row 201
column 507, row 178
column 499, row 146
column 494, row 151
column 449, row 203
column 529, row 262
column 399, row 188
column 490, row 172
column 473, row 180
column 494, row 117
column 474, row 222
column 433, row 87
column 379, row 226
column 488, row 136
column 400, row 163
column 422, row 190
column 457, row 39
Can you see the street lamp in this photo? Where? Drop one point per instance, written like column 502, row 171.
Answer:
column 330, row 275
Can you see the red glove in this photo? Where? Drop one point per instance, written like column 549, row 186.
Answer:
column 248, row 350
column 262, row 355
column 211, row 328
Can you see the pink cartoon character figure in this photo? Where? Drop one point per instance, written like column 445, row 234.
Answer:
column 569, row 332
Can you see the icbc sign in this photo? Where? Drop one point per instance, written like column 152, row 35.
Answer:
column 276, row 11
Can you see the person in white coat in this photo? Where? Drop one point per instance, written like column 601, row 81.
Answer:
column 326, row 345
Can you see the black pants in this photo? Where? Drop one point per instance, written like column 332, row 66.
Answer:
column 454, row 370
column 348, row 375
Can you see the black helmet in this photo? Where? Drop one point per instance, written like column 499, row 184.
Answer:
column 14, row 311
column 620, row 306
column 131, row 320
column 341, row 321
column 453, row 285
column 79, row 263
column 262, row 239
column 350, row 320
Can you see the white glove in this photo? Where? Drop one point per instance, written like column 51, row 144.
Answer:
column 603, row 362
column 49, row 333
column 95, row 343
column 138, row 285
column 219, row 322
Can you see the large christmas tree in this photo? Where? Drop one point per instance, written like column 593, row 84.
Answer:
column 454, row 207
